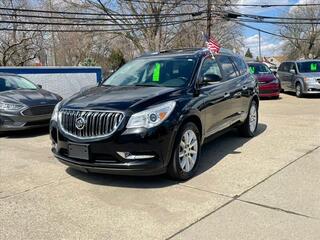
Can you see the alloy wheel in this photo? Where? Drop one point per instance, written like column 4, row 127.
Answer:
column 188, row 150
column 253, row 118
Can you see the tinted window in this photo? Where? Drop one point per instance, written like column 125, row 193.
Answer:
column 241, row 65
column 293, row 66
column 210, row 66
column 227, row 66
column 285, row 67
column 165, row 72
column 14, row 82
column 259, row 68
column 312, row 66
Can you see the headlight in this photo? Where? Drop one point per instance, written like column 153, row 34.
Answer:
column 151, row 117
column 54, row 116
column 308, row 79
column 10, row 107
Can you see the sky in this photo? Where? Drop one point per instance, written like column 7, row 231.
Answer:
column 270, row 45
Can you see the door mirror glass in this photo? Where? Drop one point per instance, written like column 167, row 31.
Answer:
column 211, row 78
column 39, row 85
column 292, row 71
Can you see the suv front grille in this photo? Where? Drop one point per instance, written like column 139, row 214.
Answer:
column 86, row 124
column 39, row 110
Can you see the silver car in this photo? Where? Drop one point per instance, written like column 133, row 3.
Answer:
column 301, row 76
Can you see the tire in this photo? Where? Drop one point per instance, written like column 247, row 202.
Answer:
column 299, row 93
column 249, row 127
column 184, row 163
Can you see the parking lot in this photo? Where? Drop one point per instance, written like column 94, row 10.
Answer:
column 261, row 188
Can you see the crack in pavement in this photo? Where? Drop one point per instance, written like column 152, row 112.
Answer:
column 58, row 182
column 277, row 209
column 236, row 197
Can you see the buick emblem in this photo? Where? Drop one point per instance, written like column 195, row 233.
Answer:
column 80, row 123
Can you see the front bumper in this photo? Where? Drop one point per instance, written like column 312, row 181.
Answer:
column 269, row 90
column 16, row 121
column 104, row 157
column 312, row 87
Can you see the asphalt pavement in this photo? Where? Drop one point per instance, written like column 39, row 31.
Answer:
column 267, row 187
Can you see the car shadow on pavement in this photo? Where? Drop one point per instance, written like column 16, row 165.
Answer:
column 306, row 96
column 30, row 133
column 213, row 151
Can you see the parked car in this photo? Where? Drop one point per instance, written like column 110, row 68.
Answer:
column 153, row 114
column 301, row 76
column 269, row 84
column 23, row 104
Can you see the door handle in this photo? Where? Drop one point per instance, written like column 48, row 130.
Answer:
column 226, row 95
column 244, row 87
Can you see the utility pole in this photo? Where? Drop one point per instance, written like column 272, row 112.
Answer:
column 260, row 56
column 209, row 18
column 53, row 52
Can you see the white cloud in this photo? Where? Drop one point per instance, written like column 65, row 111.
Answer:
column 269, row 46
column 293, row 8
column 255, row 10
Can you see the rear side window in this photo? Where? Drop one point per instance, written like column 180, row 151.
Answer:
column 285, row 67
column 210, row 66
column 241, row 65
column 227, row 66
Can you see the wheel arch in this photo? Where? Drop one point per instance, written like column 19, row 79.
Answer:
column 196, row 120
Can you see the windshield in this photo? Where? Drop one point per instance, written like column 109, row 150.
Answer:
column 259, row 69
column 307, row 67
column 15, row 82
column 164, row 72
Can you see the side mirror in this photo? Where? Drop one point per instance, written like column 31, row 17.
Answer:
column 39, row 85
column 210, row 78
column 274, row 72
column 292, row 71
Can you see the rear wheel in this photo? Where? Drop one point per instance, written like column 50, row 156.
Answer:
column 186, row 153
column 299, row 90
column 249, row 127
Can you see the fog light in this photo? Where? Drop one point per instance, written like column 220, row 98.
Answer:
column 129, row 156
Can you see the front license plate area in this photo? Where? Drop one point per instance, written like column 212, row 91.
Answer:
column 79, row 151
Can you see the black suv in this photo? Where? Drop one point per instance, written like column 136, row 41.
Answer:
column 153, row 114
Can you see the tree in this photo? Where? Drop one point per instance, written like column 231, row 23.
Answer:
column 18, row 48
column 248, row 54
column 116, row 59
column 154, row 32
column 295, row 47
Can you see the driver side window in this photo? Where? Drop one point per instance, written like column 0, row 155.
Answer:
column 209, row 66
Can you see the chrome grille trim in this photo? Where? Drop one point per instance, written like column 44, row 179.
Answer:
column 98, row 123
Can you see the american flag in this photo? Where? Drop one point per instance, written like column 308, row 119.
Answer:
column 213, row 45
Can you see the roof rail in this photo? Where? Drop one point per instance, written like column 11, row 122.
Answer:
column 181, row 49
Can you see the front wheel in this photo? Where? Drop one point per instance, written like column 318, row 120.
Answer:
column 249, row 127
column 299, row 90
column 186, row 153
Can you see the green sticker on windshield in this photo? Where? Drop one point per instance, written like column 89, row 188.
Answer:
column 156, row 73
column 313, row 67
column 251, row 70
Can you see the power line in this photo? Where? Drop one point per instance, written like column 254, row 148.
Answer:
column 79, row 18
column 115, row 30
column 274, row 34
column 229, row 4
column 93, row 24
column 229, row 14
column 277, row 22
column 99, row 14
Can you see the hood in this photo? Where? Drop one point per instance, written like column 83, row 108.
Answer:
column 118, row 97
column 30, row 97
column 265, row 78
column 310, row 75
